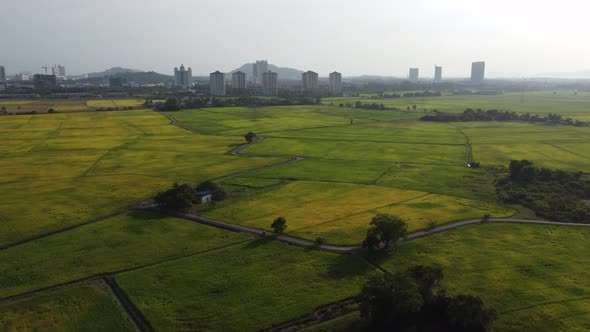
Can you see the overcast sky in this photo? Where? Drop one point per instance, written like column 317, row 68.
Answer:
column 380, row 37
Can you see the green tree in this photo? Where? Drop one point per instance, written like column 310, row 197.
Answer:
column 178, row 198
column 279, row 225
column 217, row 193
column 467, row 313
column 427, row 278
column 250, row 137
column 389, row 302
column 414, row 301
column 170, row 105
column 384, row 232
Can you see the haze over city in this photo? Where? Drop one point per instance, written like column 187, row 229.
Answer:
column 516, row 39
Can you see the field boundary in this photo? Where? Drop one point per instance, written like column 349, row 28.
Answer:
column 134, row 314
column 347, row 249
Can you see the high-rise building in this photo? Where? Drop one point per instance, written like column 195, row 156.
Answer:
column 309, row 81
column 270, row 85
column 414, row 74
column 58, row 70
column 335, row 79
column 437, row 73
column 478, row 70
column 2, row 74
column 217, row 84
column 183, row 78
column 44, row 81
column 258, row 69
column 238, row 82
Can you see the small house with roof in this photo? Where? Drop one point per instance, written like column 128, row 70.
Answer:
column 203, row 197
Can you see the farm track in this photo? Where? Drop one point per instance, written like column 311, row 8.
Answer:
column 135, row 315
column 347, row 249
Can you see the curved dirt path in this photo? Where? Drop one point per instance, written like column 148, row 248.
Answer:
column 259, row 232
column 347, row 249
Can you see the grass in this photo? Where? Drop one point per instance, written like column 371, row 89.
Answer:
column 123, row 242
column 65, row 105
column 534, row 276
column 459, row 181
column 418, row 213
column 357, row 150
column 305, row 203
column 316, row 169
column 341, row 212
column 84, row 307
column 65, row 169
column 563, row 102
column 243, row 288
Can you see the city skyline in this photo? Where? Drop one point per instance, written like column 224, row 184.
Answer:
column 465, row 31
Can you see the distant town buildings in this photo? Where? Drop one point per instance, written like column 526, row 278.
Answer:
column 2, row 74
column 238, row 82
column 21, row 77
column 478, row 71
column 42, row 81
column 437, row 73
column 217, row 84
column 335, row 79
column 116, row 82
column 183, row 78
column 269, row 83
column 58, row 70
column 309, row 81
column 259, row 68
column 413, row 74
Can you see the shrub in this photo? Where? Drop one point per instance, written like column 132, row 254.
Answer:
column 179, row 198
column 279, row 225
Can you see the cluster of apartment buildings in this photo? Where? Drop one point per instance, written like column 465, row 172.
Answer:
column 265, row 81
column 40, row 80
column 478, row 69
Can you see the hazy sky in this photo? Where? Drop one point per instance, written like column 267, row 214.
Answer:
column 514, row 37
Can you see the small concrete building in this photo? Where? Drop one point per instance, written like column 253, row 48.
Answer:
column 203, row 197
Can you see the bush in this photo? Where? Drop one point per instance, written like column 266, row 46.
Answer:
column 414, row 301
column 384, row 232
column 553, row 194
column 279, row 225
column 320, row 240
column 179, row 198
column 217, row 193
column 250, row 137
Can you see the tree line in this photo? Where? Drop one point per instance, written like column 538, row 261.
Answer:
column 496, row 115
column 177, row 103
column 415, row 301
column 553, row 194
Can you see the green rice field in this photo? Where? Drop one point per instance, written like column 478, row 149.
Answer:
column 70, row 178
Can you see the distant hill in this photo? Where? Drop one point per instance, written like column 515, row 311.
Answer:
column 113, row 71
column 139, row 77
column 284, row 73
